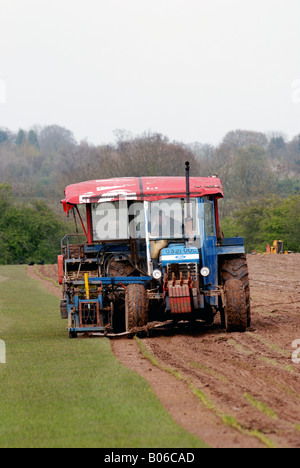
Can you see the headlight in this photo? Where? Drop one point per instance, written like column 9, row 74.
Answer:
column 157, row 274
column 205, row 271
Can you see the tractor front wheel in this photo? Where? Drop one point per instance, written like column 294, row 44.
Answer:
column 136, row 306
column 235, row 311
column 237, row 268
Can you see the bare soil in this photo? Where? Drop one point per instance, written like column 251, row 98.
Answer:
column 48, row 276
column 234, row 390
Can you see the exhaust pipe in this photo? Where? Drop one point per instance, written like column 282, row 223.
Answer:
column 188, row 219
column 188, row 193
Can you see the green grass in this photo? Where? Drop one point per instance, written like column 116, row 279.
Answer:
column 57, row 392
column 261, row 406
column 208, row 370
column 274, row 363
column 270, row 345
column 239, row 347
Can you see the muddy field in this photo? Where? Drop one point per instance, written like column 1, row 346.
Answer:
column 232, row 390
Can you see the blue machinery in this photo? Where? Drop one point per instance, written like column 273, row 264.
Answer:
column 185, row 278
column 116, row 285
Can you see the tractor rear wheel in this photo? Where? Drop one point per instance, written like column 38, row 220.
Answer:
column 136, row 306
column 235, row 311
column 237, row 268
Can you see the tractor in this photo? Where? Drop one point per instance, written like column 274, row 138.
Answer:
column 150, row 250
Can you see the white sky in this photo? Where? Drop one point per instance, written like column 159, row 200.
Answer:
column 190, row 69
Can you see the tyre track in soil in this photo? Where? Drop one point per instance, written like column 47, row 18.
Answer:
column 248, row 379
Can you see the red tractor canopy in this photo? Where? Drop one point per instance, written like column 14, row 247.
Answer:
column 139, row 188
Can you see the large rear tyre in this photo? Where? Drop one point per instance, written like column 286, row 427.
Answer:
column 235, row 311
column 237, row 268
column 136, row 306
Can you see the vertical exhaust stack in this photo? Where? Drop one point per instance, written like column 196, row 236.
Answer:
column 188, row 219
column 188, row 193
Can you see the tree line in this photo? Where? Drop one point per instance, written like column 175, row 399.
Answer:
column 29, row 232
column 264, row 220
column 253, row 166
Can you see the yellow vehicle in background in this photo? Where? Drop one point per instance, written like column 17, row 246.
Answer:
column 277, row 247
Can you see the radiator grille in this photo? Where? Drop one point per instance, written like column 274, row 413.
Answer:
column 184, row 269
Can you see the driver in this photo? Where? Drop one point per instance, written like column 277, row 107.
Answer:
column 165, row 226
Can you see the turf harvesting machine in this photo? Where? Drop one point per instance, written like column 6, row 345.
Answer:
column 151, row 250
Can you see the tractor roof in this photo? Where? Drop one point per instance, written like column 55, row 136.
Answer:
column 139, row 188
